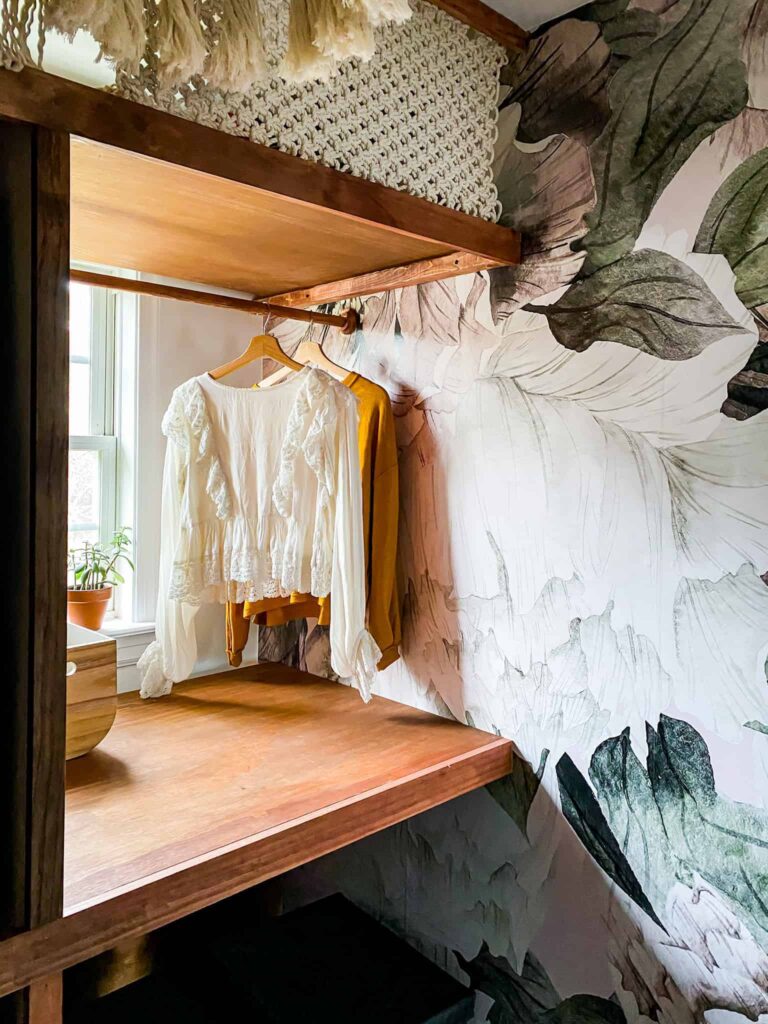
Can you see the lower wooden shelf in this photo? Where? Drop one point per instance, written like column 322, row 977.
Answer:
column 233, row 779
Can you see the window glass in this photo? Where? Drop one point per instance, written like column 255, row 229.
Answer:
column 80, row 321
column 84, row 497
column 79, row 398
column 93, row 445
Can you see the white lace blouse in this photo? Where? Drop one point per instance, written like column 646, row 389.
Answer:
column 261, row 498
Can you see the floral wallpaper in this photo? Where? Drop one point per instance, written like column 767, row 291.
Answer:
column 584, row 537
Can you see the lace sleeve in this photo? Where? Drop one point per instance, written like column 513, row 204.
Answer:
column 354, row 652
column 171, row 657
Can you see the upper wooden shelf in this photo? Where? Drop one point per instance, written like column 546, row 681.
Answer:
column 157, row 193
column 232, row 780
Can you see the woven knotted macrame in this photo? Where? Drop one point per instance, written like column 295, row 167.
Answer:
column 420, row 116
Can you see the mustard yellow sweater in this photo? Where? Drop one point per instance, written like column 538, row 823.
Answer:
column 378, row 469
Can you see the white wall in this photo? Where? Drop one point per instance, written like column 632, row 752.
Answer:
column 176, row 341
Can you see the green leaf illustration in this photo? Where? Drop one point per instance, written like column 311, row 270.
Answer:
column 561, row 82
column 515, row 792
column 519, row 998
column 530, row 997
column 723, row 841
column 736, row 225
column 585, row 1009
column 649, row 301
column 585, row 817
column 664, row 101
column 673, row 825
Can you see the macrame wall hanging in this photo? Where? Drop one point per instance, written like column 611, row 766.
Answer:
column 419, row 116
column 224, row 41
column 413, row 104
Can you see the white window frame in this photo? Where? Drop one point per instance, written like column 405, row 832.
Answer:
column 102, row 438
column 112, row 417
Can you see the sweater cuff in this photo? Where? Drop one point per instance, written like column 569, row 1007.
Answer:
column 388, row 657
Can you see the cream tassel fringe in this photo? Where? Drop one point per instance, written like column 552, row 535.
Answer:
column 341, row 29
column 237, row 58
column 180, row 44
column 69, row 16
column 303, row 61
column 320, row 33
column 380, row 11
column 116, row 25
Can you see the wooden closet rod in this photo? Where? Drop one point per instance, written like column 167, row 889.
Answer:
column 347, row 321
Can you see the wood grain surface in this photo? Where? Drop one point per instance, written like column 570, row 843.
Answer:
column 40, row 98
column 406, row 276
column 230, row 781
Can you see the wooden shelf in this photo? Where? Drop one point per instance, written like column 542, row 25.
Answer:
column 231, row 780
column 157, row 193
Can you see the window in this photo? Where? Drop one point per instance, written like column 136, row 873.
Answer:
column 92, row 402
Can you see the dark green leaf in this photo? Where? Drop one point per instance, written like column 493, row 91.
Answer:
column 584, row 1009
column 515, row 792
column 649, row 301
column 561, row 82
column 519, row 998
column 664, row 101
column 736, row 225
column 583, row 813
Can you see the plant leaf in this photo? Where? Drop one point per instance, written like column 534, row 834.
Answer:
column 664, row 101
column 736, row 225
column 561, row 81
column 649, row 301
column 585, row 817
column 519, row 998
column 723, row 841
column 516, row 791
column 584, row 1009
column 545, row 193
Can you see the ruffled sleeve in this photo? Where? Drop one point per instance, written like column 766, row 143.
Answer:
column 171, row 657
column 354, row 652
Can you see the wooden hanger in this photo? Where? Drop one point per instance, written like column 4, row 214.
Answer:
column 309, row 351
column 259, row 346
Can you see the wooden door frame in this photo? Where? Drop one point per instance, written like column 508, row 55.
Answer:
column 34, row 250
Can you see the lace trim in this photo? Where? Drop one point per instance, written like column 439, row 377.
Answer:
column 234, row 559
column 187, row 424
column 312, row 429
column 151, row 666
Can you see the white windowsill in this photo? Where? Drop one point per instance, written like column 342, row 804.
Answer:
column 123, row 627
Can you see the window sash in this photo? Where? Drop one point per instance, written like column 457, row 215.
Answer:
column 106, row 446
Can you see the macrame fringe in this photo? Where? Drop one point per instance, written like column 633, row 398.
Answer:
column 237, row 58
column 16, row 20
column 121, row 34
column 69, row 16
column 180, row 43
column 341, row 29
column 381, row 11
column 303, row 61
column 116, row 25
column 232, row 57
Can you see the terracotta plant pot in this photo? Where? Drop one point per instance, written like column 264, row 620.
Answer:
column 88, row 607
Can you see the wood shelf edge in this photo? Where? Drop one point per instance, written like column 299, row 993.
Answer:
column 439, row 268
column 33, row 955
column 36, row 97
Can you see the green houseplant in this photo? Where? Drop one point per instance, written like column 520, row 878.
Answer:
column 93, row 572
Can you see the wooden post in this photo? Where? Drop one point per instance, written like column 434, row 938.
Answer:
column 34, row 265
